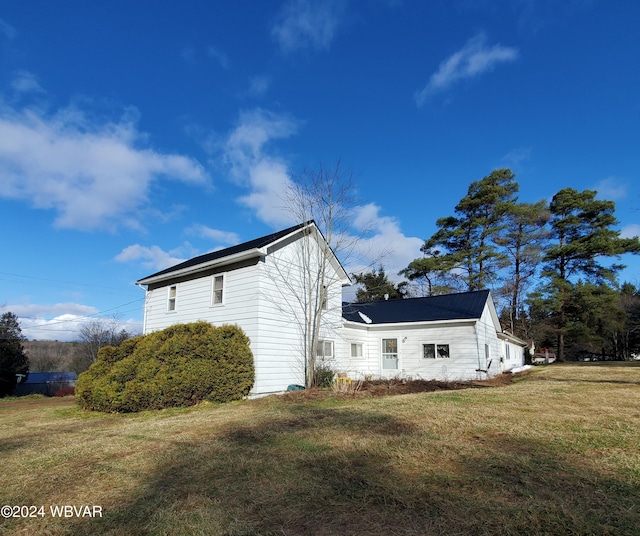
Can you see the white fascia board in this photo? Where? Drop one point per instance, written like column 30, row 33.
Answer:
column 223, row 261
column 405, row 325
column 345, row 280
column 505, row 335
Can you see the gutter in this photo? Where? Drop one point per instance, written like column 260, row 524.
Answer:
column 231, row 259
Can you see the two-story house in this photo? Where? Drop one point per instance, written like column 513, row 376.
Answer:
column 274, row 285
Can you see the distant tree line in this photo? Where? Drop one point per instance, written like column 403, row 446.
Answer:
column 19, row 356
column 551, row 267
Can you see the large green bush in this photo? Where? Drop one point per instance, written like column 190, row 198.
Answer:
column 178, row 366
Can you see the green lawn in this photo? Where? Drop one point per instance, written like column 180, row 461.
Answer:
column 555, row 452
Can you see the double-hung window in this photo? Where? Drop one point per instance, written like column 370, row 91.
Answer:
column 217, row 290
column 356, row 349
column 171, row 298
column 325, row 349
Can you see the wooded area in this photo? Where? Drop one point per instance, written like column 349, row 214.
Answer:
column 552, row 267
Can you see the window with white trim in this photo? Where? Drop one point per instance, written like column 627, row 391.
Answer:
column 217, row 290
column 325, row 349
column 171, row 299
column 507, row 351
column 356, row 350
column 435, row 351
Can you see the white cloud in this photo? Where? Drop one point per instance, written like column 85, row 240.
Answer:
column 383, row 243
column 258, row 86
column 93, row 175
column 307, row 23
column 41, row 310
column 517, row 157
column 267, row 176
column 153, row 258
column 611, row 189
column 473, row 59
column 219, row 56
column 7, row 30
column 218, row 236
column 270, row 182
column 67, row 327
column 630, row 231
column 26, row 82
column 59, row 321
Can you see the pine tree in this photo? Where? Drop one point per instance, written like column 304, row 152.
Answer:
column 13, row 360
column 583, row 236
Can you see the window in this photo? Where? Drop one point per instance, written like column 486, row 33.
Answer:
column 325, row 349
column 429, row 351
column 171, row 303
column 217, row 294
column 356, row 349
column 390, row 354
column 507, row 351
column 432, row 351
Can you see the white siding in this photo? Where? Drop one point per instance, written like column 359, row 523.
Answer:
column 193, row 302
column 466, row 340
column 262, row 300
column 513, row 355
column 283, row 294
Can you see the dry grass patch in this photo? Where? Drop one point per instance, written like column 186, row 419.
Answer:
column 556, row 452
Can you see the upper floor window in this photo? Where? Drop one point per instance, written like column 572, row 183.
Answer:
column 324, row 297
column 171, row 301
column 217, row 297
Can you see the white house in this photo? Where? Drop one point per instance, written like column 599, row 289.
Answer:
column 270, row 287
column 448, row 337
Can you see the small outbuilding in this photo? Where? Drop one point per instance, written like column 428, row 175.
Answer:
column 45, row 383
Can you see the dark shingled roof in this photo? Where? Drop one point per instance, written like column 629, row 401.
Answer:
column 462, row 306
column 246, row 246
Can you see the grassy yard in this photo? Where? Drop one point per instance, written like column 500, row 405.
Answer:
column 555, row 452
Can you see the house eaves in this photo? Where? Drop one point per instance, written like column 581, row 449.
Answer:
column 505, row 335
column 406, row 325
column 223, row 261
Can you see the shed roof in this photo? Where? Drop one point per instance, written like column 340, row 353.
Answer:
column 461, row 306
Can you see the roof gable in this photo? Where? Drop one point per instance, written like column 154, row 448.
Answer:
column 251, row 249
column 461, row 306
column 208, row 258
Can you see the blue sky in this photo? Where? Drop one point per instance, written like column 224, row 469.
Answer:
column 134, row 135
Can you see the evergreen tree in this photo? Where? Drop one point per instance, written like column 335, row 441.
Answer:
column 583, row 237
column 377, row 287
column 522, row 239
column 13, row 360
column 467, row 238
column 628, row 341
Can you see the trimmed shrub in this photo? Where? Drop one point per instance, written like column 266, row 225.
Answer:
column 178, row 366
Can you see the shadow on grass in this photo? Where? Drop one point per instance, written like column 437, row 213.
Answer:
column 348, row 471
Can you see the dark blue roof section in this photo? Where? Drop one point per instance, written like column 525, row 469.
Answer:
column 462, row 306
column 44, row 377
column 246, row 246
